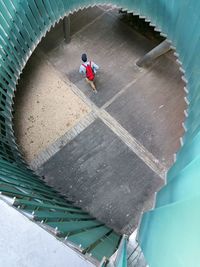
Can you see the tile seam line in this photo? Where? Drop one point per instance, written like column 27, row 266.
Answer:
column 63, row 140
column 123, row 90
column 124, row 136
column 82, row 29
column 143, row 71
column 92, row 22
column 133, row 143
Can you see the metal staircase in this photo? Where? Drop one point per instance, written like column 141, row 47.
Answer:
column 169, row 234
column 42, row 204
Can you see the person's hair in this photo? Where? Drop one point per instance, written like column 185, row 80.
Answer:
column 84, row 57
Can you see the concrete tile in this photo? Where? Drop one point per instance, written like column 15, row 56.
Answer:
column 78, row 21
column 109, row 43
column 82, row 18
column 152, row 110
column 103, row 176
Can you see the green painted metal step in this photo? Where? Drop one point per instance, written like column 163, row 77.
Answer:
column 65, row 228
column 106, row 246
column 55, row 216
column 89, row 237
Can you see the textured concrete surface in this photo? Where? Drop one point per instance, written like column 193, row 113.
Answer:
column 79, row 20
column 99, row 168
column 62, row 141
column 144, row 100
column 102, row 174
column 109, row 43
column 152, row 110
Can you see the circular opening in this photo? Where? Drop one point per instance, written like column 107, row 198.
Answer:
column 114, row 153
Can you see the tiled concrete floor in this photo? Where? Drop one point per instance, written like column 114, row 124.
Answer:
column 103, row 175
column 103, row 169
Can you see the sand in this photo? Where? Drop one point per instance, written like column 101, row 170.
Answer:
column 45, row 108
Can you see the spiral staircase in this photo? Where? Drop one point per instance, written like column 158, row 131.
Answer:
column 169, row 233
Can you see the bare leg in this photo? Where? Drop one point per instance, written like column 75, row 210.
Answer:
column 91, row 83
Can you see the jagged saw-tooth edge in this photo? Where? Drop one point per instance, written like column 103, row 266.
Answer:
column 163, row 35
column 184, row 127
column 152, row 24
column 182, row 70
column 184, row 79
column 175, row 157
column 186, row 100
column 176, row 54
column 123, row 9
column 179, row 62
column 186, row 113
column 185, row 89
column 43, row 34
column 157, row 29
column 181, row 141
column 130, row 11
column 140, row 15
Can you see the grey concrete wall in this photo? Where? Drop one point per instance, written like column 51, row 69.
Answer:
column 25, row 244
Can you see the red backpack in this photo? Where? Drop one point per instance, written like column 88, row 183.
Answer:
column 89, row 72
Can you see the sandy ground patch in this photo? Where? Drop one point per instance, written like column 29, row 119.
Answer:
column 45, row 108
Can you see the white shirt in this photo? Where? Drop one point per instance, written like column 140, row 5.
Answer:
column 94, row 66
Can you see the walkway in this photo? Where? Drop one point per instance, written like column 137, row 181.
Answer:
column 115, row 158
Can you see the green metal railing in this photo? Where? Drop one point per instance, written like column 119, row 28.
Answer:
column 169, row 234
column 22, row 25
column 64, row 219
